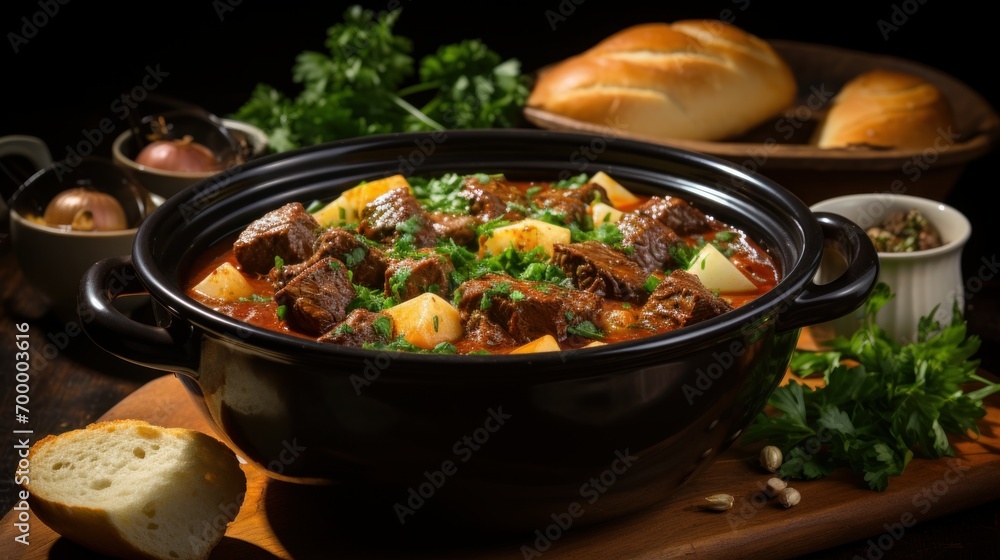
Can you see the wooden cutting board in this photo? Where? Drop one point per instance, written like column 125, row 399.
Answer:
column 283, row 521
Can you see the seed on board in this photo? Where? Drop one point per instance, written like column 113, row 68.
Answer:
column 771, row 458
column 719, row 502
column 789, row 497
column 774, row 486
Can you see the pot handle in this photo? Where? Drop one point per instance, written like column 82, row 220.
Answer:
column 820, row 303
column 171, row 348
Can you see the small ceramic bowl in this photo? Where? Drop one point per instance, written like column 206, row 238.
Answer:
column 921, row 280
column 168, row 183
column 53, row 260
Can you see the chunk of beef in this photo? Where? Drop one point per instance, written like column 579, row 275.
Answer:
column 573, row 204
column 287, row 232
column 482, row 332
column 674, row 213
column 460, row 227
column 356, row 330
column 649, row 240
column 367, row 264
column 408, row 278
column 493, row 198
column 681, row 300
column 317, row 298
column 381, row 217
column 527, row 309
column 598, row 268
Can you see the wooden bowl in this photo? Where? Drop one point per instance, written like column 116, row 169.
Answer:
column 780, row 150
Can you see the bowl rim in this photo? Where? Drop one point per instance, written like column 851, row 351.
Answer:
column 260, row 142
column 165, row 289
column 947, row 247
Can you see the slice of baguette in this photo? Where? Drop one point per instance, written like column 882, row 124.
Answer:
column 129, row 489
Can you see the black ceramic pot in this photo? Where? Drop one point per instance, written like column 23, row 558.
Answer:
column 503, row 441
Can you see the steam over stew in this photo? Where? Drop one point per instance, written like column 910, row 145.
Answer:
column 480, row 264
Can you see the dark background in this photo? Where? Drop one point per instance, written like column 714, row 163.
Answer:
column 65, row 79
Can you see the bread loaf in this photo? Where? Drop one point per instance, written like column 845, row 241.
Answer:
column 693, row 79
column 129, row 489
column 885, row 109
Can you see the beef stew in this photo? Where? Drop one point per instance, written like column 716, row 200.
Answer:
column 477, row 263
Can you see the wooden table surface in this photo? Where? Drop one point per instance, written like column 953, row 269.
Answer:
column 78, row 382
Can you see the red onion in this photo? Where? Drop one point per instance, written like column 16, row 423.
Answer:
column 84, row 209
column 184, row 155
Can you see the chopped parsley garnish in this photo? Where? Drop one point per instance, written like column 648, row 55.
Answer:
column 281, row 312
column 651, row 283
column 607, row 233
column 435, row 323
column 684, row 254
column 254, row 298
column 725, row 236
column 498, row 289
column 355, row 257
column 574, row 182
column 372, row 299
column 550, row 216
column 398, row 344
column 406, row 244
column 343, row 328
column 383, row 327
column 334, row 264
column 586, row 329
column 488, row 227
column 410, row 226
column 315, row 206
column 441, row 194
column 524, row 265
column 397, row 283
column 444, row 348
column 279, row 263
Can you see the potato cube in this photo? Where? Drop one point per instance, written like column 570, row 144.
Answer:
column 718, row 273
column 225, row 283
column 338, row 213
column 605, row 214
column 426, row 321
column 346, row 208
column 545, row 343
column 619, row 196
column 524, row 235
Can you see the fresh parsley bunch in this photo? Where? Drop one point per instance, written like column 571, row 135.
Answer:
column 881, row 403
column 360, row 87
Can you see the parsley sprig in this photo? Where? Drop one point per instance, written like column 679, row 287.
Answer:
column 882, row 402
column 369, row 83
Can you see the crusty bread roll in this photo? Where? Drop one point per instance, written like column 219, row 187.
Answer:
column 885, row 109
column 130, row 489
column 693, row 79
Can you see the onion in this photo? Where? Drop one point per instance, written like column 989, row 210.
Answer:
column 183, row 155
column 84, row 209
